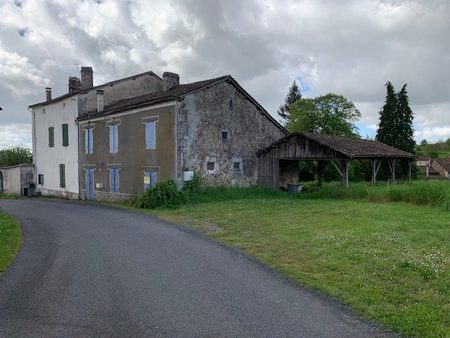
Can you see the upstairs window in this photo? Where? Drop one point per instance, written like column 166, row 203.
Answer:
column 149, row 179
column 114, row 179
column 51, row 136
column 224, row 135
column 65, row 134
column 113, row 138
column 150, row 135
column 89, row 141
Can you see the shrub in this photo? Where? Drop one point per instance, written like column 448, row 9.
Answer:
column 194, row 185
column 164, row 195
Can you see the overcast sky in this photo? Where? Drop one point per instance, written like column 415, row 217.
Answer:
column 346, row 47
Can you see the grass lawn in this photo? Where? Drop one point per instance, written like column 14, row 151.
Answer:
column 10, row 237
column 389, row 261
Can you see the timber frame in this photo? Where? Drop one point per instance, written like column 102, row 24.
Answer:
column 340, row 151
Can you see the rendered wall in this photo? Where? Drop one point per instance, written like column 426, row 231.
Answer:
column 16, row 178
column 132, row 157
column 47, row 159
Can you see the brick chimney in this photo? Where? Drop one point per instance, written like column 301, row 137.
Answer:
column 48, row 94
column 100, row 101
column 74, row 84
column 87, row 78
column 170, row 80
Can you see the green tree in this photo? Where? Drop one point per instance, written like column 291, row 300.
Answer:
column 387, row 127
column 395, row 124
column 15, row 155
column 328, row 114
column 292, row 96
column 405, row 119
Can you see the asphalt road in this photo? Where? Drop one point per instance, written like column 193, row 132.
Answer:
column 93, row 271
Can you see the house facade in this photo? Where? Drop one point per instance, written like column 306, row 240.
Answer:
column 55, row 127
column 212, row 128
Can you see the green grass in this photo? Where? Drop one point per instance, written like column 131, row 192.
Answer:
column 10, row 237
column 389, row 261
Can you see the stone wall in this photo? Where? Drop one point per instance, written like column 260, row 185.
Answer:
column 220, row 125
column 119, row 90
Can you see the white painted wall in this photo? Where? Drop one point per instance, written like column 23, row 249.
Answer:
column 47, row 159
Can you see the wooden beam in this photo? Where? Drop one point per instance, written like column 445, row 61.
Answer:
column 375, row 167
column 337, row 168
column 391, row 163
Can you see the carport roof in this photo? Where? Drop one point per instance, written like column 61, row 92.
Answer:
column 350, row 147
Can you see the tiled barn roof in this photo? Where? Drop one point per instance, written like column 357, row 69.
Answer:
column 350, row 147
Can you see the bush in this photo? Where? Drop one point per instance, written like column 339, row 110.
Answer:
column 194, row 185
column 164, row 195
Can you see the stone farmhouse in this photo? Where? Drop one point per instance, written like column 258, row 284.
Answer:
column 118, row 139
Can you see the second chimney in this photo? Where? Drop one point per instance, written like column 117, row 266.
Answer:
column 170, row 80
column 100, row 101
column 87, row 78
column 48, row 94
column 74, row 84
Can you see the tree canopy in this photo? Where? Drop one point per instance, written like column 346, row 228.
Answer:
column 328, row 114
column 396, row 118
column 292, row 96
column 15, row 155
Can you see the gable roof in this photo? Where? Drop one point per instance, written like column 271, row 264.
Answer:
column 176, row 93
column 349, row 147
column 81, row 91
column 444, row 162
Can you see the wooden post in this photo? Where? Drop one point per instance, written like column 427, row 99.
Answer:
column 275, row 173
column 409, row 171
column 345, row 165
column 391, row 163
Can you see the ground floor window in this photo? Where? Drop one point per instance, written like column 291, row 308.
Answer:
column 149, row 179
column 114, row 179
column 62, row 175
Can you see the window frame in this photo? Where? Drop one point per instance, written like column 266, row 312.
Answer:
column 65, row 134
column 153, row 179
column 113, row 138
column 89, row 140
column 62, row 175
column 114, row 179
column 51, row 137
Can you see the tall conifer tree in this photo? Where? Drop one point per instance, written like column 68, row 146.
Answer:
column 395, row 124
column 293, row 95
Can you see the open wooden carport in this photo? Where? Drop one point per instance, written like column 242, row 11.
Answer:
column 278, row 163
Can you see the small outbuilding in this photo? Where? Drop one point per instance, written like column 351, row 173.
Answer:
column 278, row 163
column 17, row 180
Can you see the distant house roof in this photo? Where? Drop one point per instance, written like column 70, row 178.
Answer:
column 173, row 94
column 444, row 162
column 111, row 83
column 349, row 147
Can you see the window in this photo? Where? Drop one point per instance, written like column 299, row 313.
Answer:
column 41, row 179
column 210, row 166
column 149, row 179
column 231, row 104
column 62, row 175
column 65, row 134
column 113, row 138
column 224, row 135
column 150, row 135
column 114, row 179
column 89, row 141
column 51, row 136
column 237, row 166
